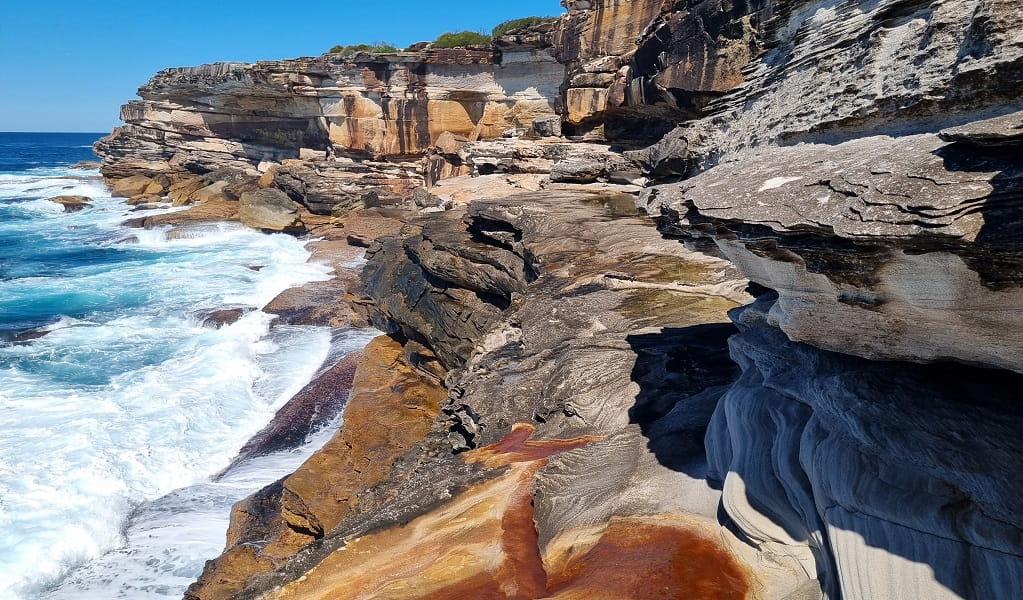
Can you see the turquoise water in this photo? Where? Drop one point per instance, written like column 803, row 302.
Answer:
column 112, row 423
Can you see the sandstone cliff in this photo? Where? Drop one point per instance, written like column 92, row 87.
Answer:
column 577, row 399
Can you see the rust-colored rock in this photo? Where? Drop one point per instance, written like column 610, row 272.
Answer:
column 391, row 407
column 483, row 544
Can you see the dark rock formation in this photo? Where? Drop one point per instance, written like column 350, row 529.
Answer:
column 72, row 203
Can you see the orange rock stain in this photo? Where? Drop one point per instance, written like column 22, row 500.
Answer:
column 483, row 545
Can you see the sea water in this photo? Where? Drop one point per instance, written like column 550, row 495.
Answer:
column 113, row 423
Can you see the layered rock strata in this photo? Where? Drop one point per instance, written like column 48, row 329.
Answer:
column 232, row 114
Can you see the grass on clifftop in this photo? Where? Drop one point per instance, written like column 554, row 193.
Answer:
column 356, row 48
column 461, row 38
column 514, row 24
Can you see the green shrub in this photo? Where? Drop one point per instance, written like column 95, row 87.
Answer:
column 461, row 38
column 514, row 24
column 355, row 48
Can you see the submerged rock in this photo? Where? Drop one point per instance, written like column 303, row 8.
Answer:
column 216, row 319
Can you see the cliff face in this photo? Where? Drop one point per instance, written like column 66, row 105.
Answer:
column 385, row 106
column 636, row 68
column 585, row 409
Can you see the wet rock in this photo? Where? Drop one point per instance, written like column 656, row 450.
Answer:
column 86, row 164
column 72, row 203
column 28, row 336
column 144, row 199
column 268, row 209
column 320, row 303
column 141, row 207
column 316, row 406
column 215, row 319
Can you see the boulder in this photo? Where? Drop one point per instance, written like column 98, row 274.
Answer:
column 270, row 209
column 130, row 186
column 210, row 192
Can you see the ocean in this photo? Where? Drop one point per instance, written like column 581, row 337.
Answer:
column 114, row 421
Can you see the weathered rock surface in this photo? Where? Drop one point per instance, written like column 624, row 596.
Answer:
column 592, row 436
column 867, row 171
column 905, row 248
column 835, row 72
column 316, row 406
column 339, row 187
column 889, row 480
column 636, row 67
column 269, row 209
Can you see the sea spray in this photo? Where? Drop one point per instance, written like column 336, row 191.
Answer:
column 127, row 397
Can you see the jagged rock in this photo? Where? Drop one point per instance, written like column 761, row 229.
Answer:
column 268, row 209
column 547, row 126
column 592, row 290
column 636, row 67
column 823, row 79
column 338, row 188
column 72, row 203
column 183, row 191
column 422, row 198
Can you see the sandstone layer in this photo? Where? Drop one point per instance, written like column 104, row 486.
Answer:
column 233, row 114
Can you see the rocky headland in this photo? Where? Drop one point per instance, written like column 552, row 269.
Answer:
column 693, row 299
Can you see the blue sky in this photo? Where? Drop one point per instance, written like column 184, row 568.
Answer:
column 69, row 65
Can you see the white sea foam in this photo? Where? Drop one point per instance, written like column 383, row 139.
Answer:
column 129, row 398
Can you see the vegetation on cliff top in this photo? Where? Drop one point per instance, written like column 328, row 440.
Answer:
column 461, row 38
column 450, row 39
column 356, row 48
column 513, row 24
